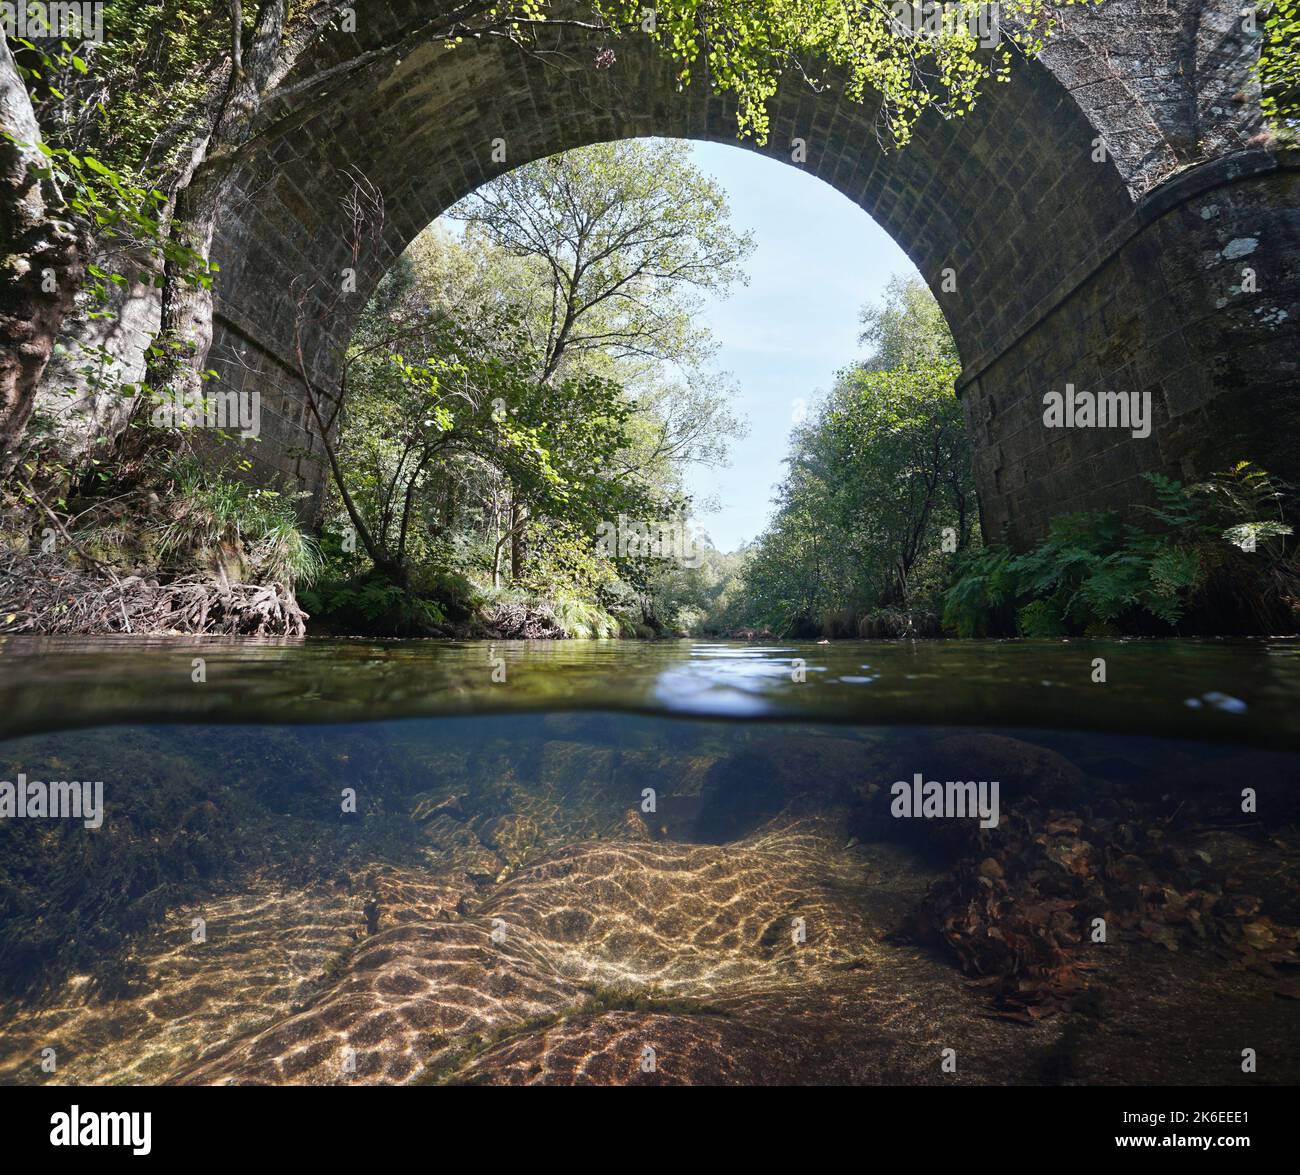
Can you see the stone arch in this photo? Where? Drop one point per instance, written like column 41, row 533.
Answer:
column 1111, row 275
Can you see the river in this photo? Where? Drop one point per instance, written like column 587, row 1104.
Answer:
column 670, row 862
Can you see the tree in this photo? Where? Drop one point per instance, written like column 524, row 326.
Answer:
column 902, row 435
column 582, row 345
column 622, row 233
column 905, row 328
column 617, row 238
column 874, row 479
column 43, row 262
column 473, row 398
column 463, row 404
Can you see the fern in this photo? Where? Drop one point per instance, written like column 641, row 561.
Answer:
column 1095, row 573
column 1247, row 535
column 1175, row 570
column 1039, row 619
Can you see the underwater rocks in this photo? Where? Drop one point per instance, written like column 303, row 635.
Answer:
column 765, row 960
column 409, row 996
column 739, row 793
column 647, row 929
column 1022, row 768
column 529, row 919
column 1030, row 911
column 628, row 1048
column 450, row 970
column 267, row 950
column 742, row 790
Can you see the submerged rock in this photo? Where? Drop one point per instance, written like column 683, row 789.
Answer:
column 537, row 918
column 743, row 790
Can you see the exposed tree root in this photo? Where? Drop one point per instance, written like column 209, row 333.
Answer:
column 522, row 621
column 48, row 594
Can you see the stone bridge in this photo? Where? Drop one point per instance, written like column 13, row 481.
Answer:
column 1112, row 218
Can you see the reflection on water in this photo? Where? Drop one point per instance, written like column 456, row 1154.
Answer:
column 620, row 898
column 1244, row 691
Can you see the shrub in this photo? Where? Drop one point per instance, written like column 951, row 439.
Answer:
column 372, row 605
column 217, row 522
column 1217, row 547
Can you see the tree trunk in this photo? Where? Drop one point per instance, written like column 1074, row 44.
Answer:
column 498, row 540
column 518, row 519
column 185, row 330
column 41, row 263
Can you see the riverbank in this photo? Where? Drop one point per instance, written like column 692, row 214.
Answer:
column 50, row 595
column 53, row 596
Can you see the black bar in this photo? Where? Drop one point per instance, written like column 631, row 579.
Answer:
column 1020, row 1127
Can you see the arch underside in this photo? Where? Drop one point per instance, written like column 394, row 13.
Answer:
column 1102, row 274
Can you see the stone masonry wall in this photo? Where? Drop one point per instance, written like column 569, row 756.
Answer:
column 1054, row 264
column 1163, row 311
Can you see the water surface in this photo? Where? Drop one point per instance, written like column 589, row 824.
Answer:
column 1243, row 690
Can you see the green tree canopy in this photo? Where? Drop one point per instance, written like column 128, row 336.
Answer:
column 623, row 236
column 878, row 492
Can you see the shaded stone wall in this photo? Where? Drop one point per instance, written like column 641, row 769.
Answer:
column 1055, row 263
column 1162, row 311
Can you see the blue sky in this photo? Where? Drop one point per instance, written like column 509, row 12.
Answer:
column 817, row 258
